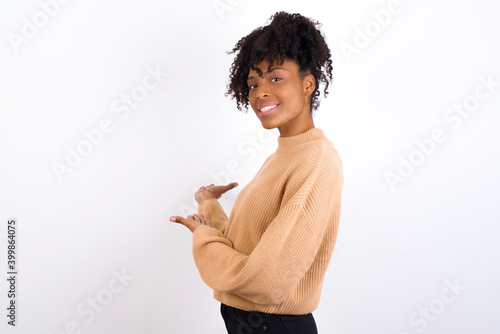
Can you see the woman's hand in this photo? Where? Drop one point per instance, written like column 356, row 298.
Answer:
column 212, row 191
column 192, row 221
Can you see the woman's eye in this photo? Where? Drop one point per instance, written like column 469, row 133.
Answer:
column 251, row 87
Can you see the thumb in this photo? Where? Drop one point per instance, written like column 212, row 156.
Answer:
column 189, row 223
column 228, row 187
column 180, row 220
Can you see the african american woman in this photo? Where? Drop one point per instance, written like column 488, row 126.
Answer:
column 267, row 261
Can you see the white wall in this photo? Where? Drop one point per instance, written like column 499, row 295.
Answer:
column 399, row 246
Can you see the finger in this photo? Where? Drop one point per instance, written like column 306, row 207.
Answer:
column 177, row 219
column 199, row 219
column 203, row 220
column 230, row 186
column 189, row 223
column 180, row 220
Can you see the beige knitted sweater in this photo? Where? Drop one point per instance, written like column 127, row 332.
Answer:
column 272, row 253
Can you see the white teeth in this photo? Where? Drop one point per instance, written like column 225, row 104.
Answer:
column 268, row 108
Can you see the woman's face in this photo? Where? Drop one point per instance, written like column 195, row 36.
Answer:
column 280, row 97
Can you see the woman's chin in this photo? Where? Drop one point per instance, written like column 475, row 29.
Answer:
column 267, row 125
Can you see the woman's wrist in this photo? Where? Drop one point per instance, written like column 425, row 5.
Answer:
column 204, row 199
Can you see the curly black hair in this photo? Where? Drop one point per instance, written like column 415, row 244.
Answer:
column 291, row 36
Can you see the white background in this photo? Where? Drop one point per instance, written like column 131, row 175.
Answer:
column 397, row 247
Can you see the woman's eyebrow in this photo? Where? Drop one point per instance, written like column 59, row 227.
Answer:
column 272, row 69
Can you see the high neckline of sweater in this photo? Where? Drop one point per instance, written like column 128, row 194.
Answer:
column 311, row 135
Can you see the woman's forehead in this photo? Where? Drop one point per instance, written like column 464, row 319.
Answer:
column 263, row 65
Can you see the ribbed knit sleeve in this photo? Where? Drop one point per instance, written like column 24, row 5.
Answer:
column 286, row 249
column 213, row 211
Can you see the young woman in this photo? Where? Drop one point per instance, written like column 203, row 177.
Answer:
column 267, row 261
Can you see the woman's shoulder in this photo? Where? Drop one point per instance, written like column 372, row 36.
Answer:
column 319, row 159
column 321, row 152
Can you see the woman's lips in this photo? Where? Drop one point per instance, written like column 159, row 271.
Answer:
column 267, row 112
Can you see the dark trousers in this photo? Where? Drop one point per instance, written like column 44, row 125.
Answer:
column 243, row 322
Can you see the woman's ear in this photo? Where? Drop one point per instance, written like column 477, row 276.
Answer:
column 309, row 84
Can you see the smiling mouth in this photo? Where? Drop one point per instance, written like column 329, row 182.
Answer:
column 268, row 108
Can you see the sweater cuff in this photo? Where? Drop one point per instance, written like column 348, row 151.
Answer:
column 214, row 212
column 204, row 206
column 202, row 232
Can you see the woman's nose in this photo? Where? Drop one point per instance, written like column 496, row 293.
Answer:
column 262, row 91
